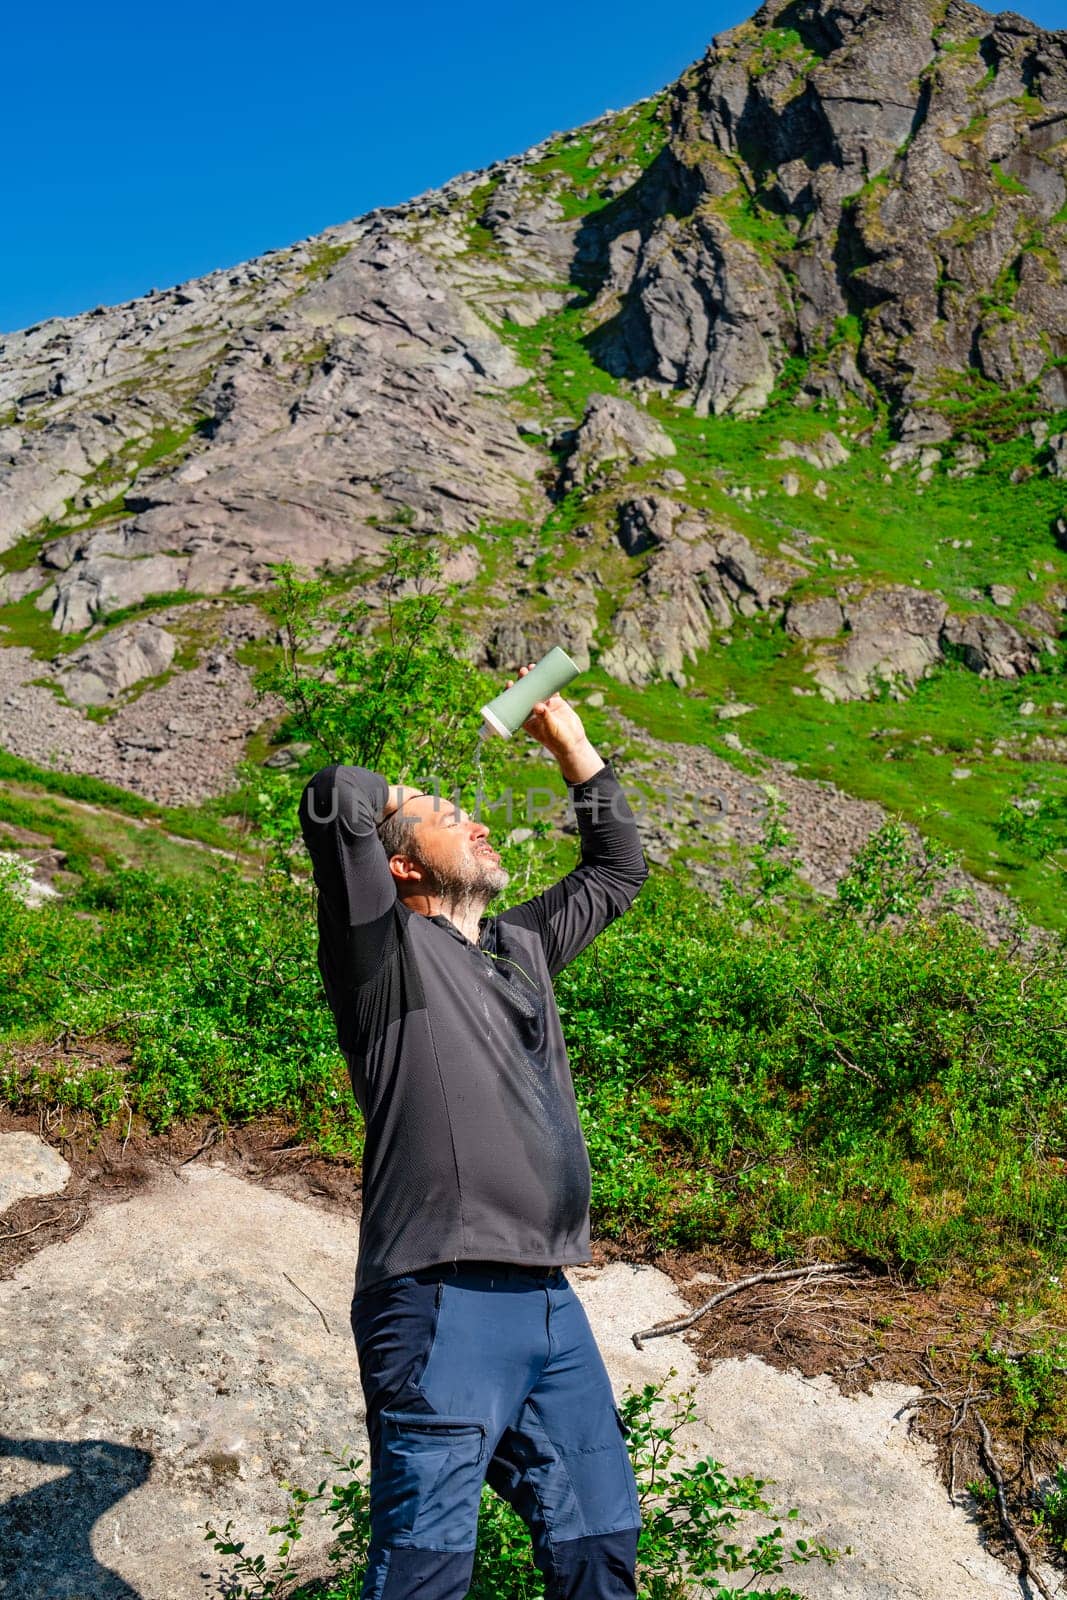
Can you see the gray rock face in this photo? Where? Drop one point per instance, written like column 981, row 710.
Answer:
column 823, row 453
column 513, row 642
column 991, row 646
column 699, row 312
column 697, row 579
column 341, row 386
column 891, row 158
column 99, row 672
column 645, row 522
column 612, row 430
column 28, row 1166
column 814, row 619
column 895, row 635
column 177, row 1368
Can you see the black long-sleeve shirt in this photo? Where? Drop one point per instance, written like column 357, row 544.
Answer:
column 474, row 1148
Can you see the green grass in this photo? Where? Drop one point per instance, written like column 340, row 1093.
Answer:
column 898, row 754
column 323, row 260
column 1006, row 181
column 97, row 843
column 632, row 138
column 756, row 223
column 881, row 533
column 781, row 44
column 189, row 821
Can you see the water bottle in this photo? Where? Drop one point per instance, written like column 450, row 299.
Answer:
column 506, row 714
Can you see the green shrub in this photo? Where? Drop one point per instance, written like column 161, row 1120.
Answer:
column 1051, row 1514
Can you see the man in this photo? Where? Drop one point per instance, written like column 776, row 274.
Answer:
column 476, row 1358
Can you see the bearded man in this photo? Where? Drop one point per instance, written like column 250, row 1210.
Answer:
column 476, row 1358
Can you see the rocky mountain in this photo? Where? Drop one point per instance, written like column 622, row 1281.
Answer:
column 880, row 187
column 658, row 387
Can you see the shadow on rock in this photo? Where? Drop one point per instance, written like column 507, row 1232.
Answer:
column 44, row 1533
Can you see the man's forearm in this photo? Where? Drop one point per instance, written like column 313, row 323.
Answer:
column 579, row 762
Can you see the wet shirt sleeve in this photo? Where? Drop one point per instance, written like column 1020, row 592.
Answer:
column 568, row 916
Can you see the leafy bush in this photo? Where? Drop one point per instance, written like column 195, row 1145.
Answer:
column 767, row 1073
column 393, row 690
column 691, row 1517
column 1051, row 1514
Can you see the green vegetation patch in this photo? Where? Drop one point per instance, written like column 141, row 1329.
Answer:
column 323, row 260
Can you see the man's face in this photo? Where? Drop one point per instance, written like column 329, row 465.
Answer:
column 452, row 852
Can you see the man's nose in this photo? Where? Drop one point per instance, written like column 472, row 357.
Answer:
column 479, row 831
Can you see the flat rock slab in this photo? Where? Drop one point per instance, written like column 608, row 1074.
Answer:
column 846, row 1462
column 28, row 1167
column 190, row 1349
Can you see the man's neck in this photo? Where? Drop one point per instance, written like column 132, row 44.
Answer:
column 463, row 914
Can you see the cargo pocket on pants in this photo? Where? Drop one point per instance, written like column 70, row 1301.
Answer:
column 429, row 1481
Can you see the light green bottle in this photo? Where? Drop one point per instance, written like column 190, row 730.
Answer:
column 506, row 714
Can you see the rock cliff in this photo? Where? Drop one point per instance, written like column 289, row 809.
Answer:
column 690, row 354
column 880, row 185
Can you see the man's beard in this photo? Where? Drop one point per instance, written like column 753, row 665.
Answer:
column 472, row 882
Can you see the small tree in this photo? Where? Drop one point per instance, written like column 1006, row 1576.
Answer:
column 1037, row 829
column 890, row 877
column 691, row 1518
column 392, row 688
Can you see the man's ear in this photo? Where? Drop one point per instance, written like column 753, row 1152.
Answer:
column 409, row 869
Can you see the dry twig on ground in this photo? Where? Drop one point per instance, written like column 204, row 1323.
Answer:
column 813, row 1272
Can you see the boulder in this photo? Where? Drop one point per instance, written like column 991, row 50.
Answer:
column 1043, row 621
column 664, row 621
column 102, row 669
column 822, row 453
column 513, row 642
column 893, row 637
column 92, row 589
column 820, row 618
column 991, row 646
column 692, row 586
column 613, row 430
column 28, row 1167
column 645, row 523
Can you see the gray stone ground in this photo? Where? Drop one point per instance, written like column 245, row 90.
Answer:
column 29, row 1167
column 190, row 1349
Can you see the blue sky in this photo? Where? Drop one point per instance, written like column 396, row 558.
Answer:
column 147, row 145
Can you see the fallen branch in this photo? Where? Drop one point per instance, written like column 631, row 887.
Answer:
column 25, row 1232
column 308, row 1298
column 1027, row 1569
column 774, row 1276
column 211, row 1138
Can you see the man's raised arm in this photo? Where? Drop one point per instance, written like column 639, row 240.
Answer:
column 340, row 810
column 568, row 916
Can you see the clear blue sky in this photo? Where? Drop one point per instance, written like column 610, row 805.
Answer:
column 146, row 145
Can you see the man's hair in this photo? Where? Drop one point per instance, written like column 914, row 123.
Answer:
column 400, row 836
